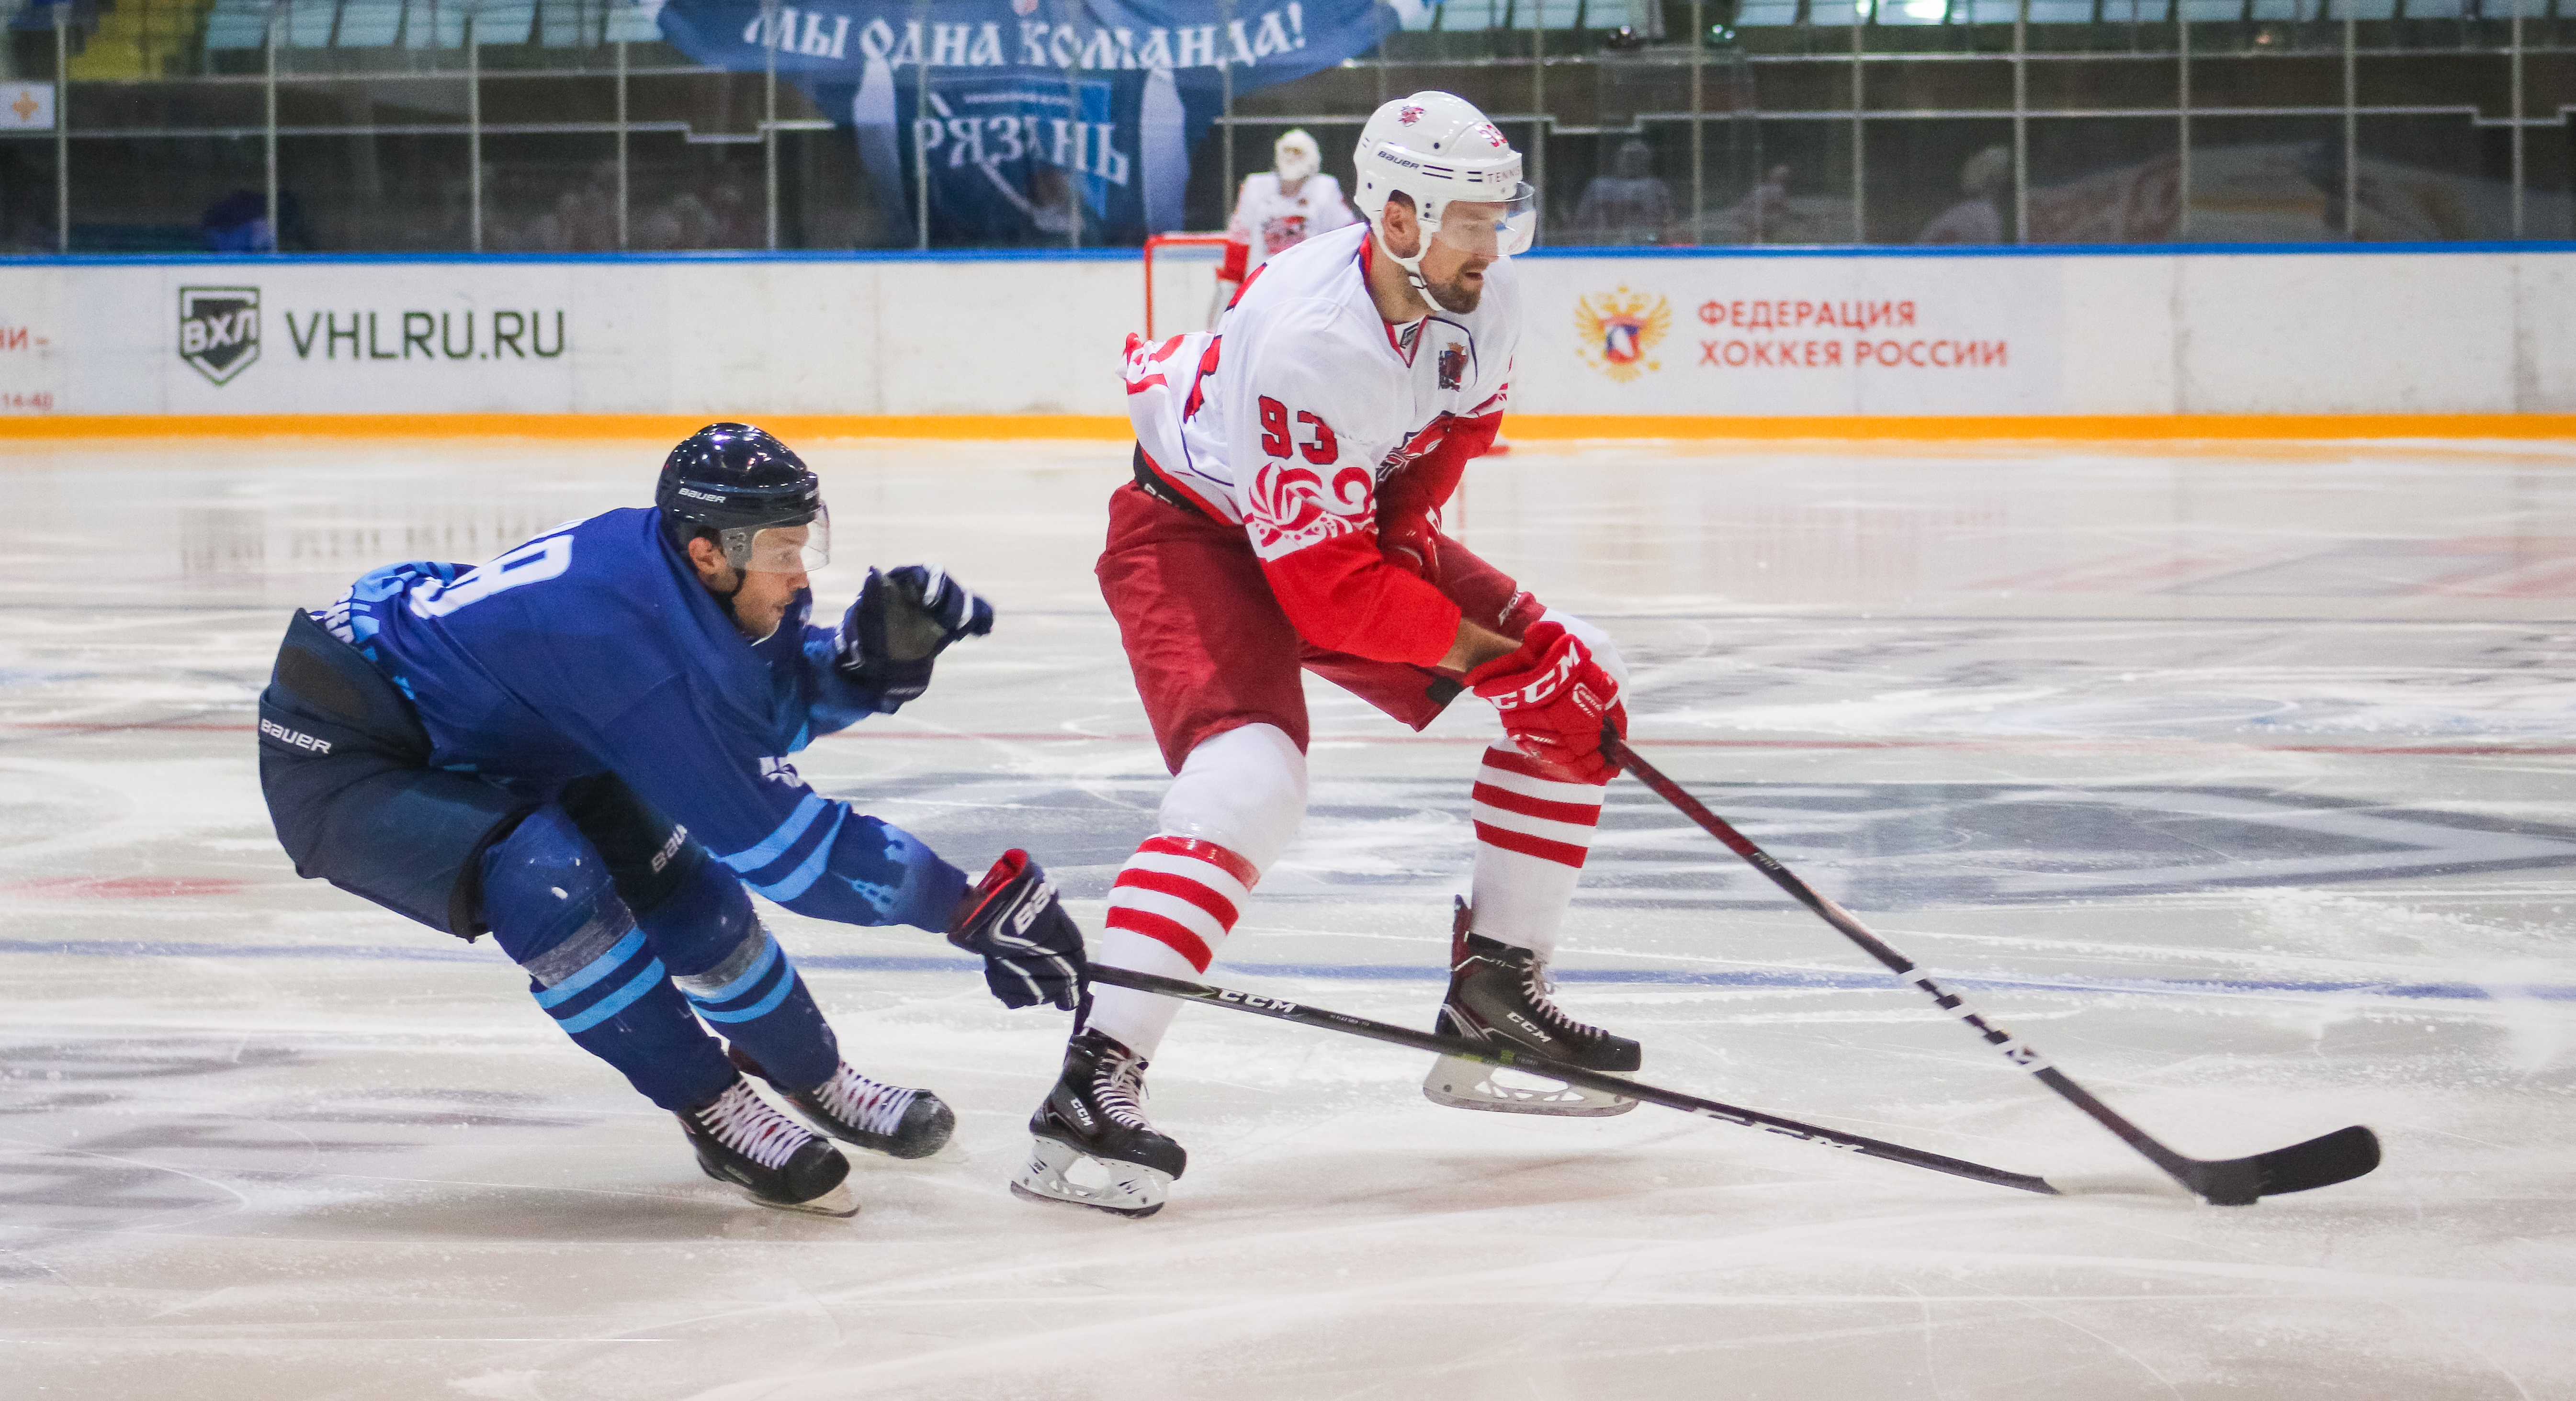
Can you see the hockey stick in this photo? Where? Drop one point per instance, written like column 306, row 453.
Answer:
column 1289, row 1011
column 2320, row 1162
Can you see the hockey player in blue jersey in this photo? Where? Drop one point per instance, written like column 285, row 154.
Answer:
column 582, row 747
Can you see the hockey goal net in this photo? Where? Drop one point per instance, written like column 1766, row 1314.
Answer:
column 1180, row 282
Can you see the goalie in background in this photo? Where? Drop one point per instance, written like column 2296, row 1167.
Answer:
column 1278, row 209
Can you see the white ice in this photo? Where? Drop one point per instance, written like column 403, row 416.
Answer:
column 2238, row 782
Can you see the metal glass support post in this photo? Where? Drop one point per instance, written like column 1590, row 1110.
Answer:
column 1225, row 77
column 473, row 131
column 2517, row 118
column 769, row 121
column 2182, row 109
column 2351, row 130
column 1859, row 152
column 268, row 119
column 2021, row 122
column 623, row 242
column 1538, row 110
column 1699, row 168
column 1073, row 103
column 63, row 131
column 920, row 119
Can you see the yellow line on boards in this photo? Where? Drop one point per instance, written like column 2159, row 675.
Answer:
column 661, row 428
column 2044, row 427
column 1109, row 428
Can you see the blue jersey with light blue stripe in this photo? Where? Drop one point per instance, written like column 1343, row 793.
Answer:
column 593, row 647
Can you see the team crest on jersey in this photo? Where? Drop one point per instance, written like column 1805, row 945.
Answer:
column 1617, row 331
column 778, row 770
column 1453, row 365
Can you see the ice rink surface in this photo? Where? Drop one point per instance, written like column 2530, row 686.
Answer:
column 2236, row 781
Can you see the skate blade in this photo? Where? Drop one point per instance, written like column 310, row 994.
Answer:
column 1468, row 1084
column 1058, row 1172
column 835, row 1203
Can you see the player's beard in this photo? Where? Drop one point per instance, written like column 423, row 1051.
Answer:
column 1456, row 295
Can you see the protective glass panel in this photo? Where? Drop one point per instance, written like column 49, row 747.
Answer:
column 369, row 24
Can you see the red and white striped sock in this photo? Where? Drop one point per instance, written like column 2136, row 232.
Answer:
column 1175, row 902
column 1533, row 830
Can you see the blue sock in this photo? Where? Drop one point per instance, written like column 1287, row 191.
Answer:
column 548, row 899
column 738, row 978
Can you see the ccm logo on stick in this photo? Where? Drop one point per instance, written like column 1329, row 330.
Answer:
column 295, row 738
column 1247, row 999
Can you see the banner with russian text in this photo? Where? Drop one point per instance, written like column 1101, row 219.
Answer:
column 1030, row 122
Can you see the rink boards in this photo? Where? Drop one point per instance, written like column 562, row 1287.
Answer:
column 1611, row 340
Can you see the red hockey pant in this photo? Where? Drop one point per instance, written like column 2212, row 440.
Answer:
column 1211, row 648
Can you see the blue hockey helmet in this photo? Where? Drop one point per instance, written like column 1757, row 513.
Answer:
column 761, row 500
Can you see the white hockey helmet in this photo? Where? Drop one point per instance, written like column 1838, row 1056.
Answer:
column 1438, row 149
column 1295, row 156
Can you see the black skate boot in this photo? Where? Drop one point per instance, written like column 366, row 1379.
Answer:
column 1091, row 1145
column 897, row 1122
column 1500, row 993
column 742, row 1140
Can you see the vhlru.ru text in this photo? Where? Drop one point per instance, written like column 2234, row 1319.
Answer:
column 441, row 335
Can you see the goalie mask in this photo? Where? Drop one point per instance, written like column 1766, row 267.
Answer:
column 1295, row 156
column 763, row 502
column 1464, row 179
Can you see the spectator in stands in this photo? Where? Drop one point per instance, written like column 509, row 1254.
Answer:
column 1760, row 215
column 1628, row 205
column 1978, row 218
column 238, row 223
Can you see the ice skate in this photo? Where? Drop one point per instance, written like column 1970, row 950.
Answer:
column 897, row 1122
column 1498, row 993
column 1091, row 1145
column 741, row 1139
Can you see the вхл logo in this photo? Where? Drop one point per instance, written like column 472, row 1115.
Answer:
column 219, row 330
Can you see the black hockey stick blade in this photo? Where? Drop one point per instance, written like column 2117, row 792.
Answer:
column 2320, row 1162
column 2340, row 1156
column 1288, row 1010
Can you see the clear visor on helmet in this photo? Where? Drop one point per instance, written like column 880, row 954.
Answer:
column 1497, row 229
column 782, row 549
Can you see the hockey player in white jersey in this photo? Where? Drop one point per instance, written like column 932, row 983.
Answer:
column 1285, row 513
column 1278, row 209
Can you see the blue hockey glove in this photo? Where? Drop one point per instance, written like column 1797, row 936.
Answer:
column 1032, row 949
column 902, row 620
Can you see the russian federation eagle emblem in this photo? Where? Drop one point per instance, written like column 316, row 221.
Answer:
column 1616, row 331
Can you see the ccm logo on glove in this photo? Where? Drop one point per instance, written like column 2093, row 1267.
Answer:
column 1554, row 700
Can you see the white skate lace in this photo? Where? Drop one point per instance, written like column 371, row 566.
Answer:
column 1119, row 1090
column 744, row 1122
column 853, row 1098
column 1538, row 989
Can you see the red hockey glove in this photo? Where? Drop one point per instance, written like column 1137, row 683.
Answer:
column 1554, row 699
column 1237, row 253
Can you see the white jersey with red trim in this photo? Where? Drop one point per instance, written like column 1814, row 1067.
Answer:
column 1288, row 416
column 1270, row 223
